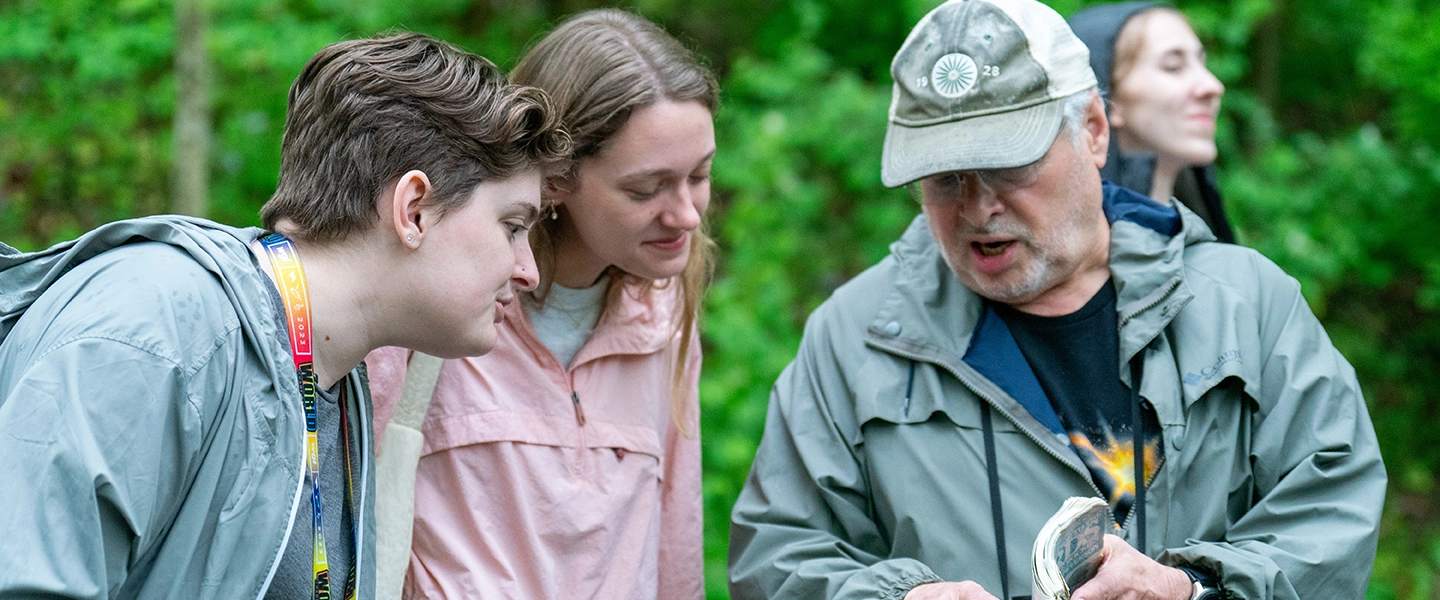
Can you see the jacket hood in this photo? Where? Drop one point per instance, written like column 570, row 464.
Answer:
column 220, row 249
column 28, row 275
column 1097, row 27
column 1147, row 243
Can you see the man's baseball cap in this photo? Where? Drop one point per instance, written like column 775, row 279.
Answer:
column 980, row 84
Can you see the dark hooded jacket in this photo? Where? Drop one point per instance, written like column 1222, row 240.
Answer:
column 1098, row 27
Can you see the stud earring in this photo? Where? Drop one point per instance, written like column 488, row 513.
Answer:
column 409, row 237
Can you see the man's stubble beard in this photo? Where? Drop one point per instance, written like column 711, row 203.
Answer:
column 1049, row 260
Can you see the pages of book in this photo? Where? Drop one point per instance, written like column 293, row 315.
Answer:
column 1068, row 548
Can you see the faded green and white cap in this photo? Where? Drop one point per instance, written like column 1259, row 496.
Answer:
column 980, row 84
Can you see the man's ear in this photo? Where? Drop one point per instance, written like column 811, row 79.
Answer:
column 1097, row 130
column 409, row 205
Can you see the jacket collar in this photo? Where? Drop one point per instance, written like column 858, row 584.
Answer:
column 220, row 249
column 641, row 322
column 1147, row 241
column 908, row 318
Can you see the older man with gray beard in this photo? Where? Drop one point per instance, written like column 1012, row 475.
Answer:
column 1039, row 334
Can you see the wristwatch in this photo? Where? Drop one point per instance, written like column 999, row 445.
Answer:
column 1204, row 585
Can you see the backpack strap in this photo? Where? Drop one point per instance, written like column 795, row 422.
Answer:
column 420, row 377
column 395, row 466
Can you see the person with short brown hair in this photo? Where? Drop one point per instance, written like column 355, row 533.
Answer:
column 365, row 112
column 183, row 409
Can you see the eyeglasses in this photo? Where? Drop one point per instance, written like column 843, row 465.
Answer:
column 951, row 184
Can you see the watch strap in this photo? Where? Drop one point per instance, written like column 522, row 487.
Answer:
column 1204, row 585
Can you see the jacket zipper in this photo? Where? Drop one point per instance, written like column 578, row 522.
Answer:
column 996, row 406
column 1135, row 495
column 581, row 462
column 1159, row 296
column 579, row 410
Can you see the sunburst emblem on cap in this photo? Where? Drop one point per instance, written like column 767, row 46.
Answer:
column 953, row 75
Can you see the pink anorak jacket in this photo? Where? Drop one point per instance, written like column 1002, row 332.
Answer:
column 540, row 482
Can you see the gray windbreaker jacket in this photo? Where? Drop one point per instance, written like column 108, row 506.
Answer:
column 151, row 438
column 871, row 477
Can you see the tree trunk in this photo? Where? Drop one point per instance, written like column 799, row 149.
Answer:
column 190, row 166
column 1267, row 69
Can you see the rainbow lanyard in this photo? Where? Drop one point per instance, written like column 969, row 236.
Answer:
column 290, row 278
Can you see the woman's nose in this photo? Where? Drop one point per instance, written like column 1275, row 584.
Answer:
column 1208, row 84
column 683, row 213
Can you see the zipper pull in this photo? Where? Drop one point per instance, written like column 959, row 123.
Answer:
column 579, row 412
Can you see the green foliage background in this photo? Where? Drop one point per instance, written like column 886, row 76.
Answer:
column 1328, row 163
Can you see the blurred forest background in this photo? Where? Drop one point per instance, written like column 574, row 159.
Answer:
column 1328, row 162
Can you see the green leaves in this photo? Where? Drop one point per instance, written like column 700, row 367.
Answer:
column 1401, row 54
column 798, row 210
column 1333, row 173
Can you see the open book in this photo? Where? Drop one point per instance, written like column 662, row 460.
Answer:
column 1067, row 550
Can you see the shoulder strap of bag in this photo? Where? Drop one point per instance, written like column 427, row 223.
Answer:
column 395, row 467
column 420, row 378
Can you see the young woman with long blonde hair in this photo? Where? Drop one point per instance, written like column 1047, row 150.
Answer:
column 566, row 463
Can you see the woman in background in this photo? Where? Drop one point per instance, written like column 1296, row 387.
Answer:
column 1163, row 102
column 566, row 463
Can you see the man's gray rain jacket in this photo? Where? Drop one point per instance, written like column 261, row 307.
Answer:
column 152, row 436
column 871, row 477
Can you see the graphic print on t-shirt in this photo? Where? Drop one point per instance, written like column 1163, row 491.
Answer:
column 1110, row 458
column 1076, row 358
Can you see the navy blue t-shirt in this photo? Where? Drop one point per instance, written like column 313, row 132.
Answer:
column 1076, row 357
